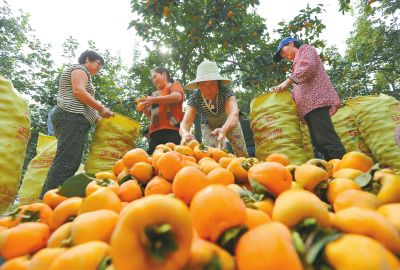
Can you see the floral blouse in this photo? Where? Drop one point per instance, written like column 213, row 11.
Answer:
column 312, row 86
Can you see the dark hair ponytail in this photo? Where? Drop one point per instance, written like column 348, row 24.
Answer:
column 161, row 70
column 91, row 55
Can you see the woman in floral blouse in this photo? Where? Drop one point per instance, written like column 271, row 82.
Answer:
column 315, row 97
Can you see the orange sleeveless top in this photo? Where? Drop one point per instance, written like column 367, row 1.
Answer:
column 167, row 116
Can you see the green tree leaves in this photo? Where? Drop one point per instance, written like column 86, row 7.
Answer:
column 371, row 63
column 229, row 32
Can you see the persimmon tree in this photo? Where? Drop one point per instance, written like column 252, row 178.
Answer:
column 28, row 63
column 194, row 30
column 229, row 32
column 371, row 63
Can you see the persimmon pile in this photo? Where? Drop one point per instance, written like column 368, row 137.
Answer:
column 194, row 207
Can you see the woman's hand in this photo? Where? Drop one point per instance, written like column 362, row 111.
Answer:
column 98, row 119
column 187, row 137
column 148, row 101
column 283, row 86
column 220, row 133
column 105, row 112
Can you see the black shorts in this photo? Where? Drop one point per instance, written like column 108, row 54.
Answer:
column 163, row 136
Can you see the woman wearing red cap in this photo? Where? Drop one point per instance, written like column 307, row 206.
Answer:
column 315, row 97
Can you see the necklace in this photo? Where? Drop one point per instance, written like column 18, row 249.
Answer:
column 209, row 104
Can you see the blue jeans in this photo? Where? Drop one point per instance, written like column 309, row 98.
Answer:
column 71, row 130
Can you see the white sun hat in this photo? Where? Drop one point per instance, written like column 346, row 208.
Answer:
column 207, row 71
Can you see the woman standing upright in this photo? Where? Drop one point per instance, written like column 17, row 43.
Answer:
column 164, row 107
column 218, row 109
column 76, row 111
column 315, row 97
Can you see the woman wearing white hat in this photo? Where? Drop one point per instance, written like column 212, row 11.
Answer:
column 218, row 109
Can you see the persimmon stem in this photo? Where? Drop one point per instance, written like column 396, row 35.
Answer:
column 229, row 238
column 161, row 241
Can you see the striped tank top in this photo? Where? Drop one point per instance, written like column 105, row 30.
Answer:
column 66, row 98
column 216, row 117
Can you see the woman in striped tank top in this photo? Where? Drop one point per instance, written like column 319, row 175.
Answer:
column 76, row 110
column 218, row 109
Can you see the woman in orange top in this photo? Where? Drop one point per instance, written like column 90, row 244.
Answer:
column 164, row 107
